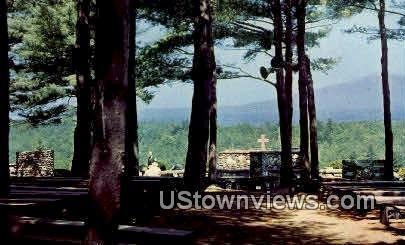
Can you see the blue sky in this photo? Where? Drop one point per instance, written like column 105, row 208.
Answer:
column 357, row 56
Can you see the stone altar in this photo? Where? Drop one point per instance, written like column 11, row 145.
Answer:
column 252, row 163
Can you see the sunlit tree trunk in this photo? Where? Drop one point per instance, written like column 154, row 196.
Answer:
column 286, row 173
column 82, row 134
column 203, row 75
column 109, row 152
column 302, row 84
column 4, row 101
column 389, row 141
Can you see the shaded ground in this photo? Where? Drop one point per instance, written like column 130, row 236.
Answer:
column 265, row 226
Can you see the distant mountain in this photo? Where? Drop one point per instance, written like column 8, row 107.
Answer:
column 354, row 101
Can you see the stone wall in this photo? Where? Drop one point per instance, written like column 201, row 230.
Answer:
column 35, row 163
column 234, row 160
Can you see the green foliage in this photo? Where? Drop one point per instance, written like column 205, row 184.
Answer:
column 42, row 38
column 401, row 173
column 336, row 164
column 168, row 141
column 396, row 9
column 243, row 25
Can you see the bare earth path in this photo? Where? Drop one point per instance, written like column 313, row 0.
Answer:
column 265, row 226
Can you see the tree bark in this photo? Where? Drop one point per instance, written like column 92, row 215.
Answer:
column 389, row 141
column 289, row 78
column 303, row 84
column 286, row 173
column 109, row 152
column 203, row 75
column 82, row 134
column 132, row 168
column 133, row 149
column 212, row 156
column 4, row 101
column 313, row 133
column 289, row 62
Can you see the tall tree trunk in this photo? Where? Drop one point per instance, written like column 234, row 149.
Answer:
column 109, row 152
column 289, row 77
column 313, row 130
column 82, row 134
column 203, row 75
column 133, row 149
column 289, row 62
column 4, row 101
column 132, row 168
column 389, row 141
column 302, row 84
column 286, row 173
column 212, row 156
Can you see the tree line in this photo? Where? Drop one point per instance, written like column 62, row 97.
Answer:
column 168, row 141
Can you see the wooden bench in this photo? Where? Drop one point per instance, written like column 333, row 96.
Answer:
column 40, row 229
column 11, row 202
column 389, row 196
column 50, row 181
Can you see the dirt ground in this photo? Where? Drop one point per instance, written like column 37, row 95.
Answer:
column 264, row 226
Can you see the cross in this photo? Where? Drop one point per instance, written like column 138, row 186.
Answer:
column 263, row 140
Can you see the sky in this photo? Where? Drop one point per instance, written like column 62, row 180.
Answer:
column 358, row 57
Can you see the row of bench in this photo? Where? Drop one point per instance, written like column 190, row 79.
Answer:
column 52, row 211
column 389, row 196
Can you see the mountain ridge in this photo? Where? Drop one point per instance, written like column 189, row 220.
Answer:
column 360, row 100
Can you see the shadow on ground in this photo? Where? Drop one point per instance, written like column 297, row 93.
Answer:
column 263, row 226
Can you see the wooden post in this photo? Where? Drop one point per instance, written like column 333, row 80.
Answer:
column 110, row 151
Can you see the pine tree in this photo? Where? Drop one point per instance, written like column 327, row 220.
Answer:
column 110, row 150
column 313, row 129
column 382, row 33
column 83, row 132
column 42, row 35
column 132, row 139
column 302, row 83
column 283, row 96
column 203, row 75
column 389, row 138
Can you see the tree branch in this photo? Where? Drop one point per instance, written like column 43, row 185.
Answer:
column 248, row 75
